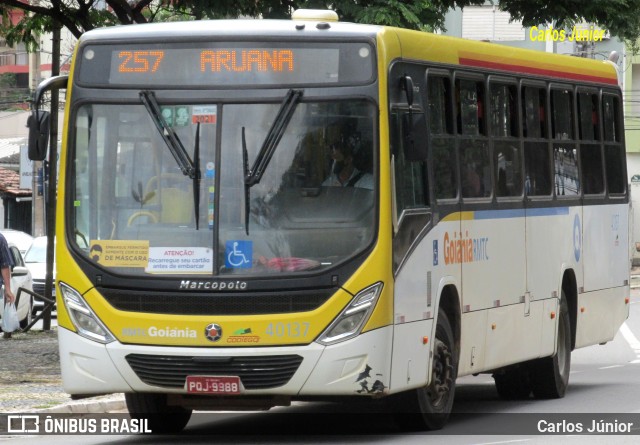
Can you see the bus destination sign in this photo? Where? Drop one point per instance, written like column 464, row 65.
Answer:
column 225, row 64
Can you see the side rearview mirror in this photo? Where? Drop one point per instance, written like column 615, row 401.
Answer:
column 414, row 136
column 38, row 124
column 39, row 121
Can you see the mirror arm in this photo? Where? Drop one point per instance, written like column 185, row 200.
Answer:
column 407, row 85
column 52, row 83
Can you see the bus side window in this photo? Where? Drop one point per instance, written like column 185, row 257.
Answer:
column 442, row 142
column 565, row 162
column 614, row 153
column 506, row 147
column 410, row 176
column 474, row 148
column 537, row 165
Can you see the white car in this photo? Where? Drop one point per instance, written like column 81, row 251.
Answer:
column 21, row 239
column 20, row 277
column 36, row 261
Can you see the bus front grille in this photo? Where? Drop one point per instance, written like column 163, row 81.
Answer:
column 229, row 304
column 255, row 372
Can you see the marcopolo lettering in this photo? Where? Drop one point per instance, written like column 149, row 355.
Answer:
column 213, row 285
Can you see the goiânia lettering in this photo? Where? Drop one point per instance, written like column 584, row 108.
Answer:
column 464, row 249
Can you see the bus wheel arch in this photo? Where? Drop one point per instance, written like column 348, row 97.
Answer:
column 429, row 407
column 550, row 375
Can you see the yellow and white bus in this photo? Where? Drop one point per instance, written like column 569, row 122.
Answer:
column 255, row 212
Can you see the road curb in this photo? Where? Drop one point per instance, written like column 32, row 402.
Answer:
column 88, row 407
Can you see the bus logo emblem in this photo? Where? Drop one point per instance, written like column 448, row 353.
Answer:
column 213, row 332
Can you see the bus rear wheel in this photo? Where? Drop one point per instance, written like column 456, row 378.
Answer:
column 429, row 407
column 161, row 417
column 550, row 375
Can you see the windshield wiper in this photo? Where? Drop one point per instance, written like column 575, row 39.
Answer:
column 279, row 125
column 269, row 145
column 176, row 148
column 196, row 177
column 184, row 161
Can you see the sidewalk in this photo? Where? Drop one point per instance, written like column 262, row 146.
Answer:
column 30, row 378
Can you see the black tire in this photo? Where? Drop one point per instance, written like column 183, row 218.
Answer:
column 550, row 375
column 429, row 407
column 161, row 417
column 513, row 383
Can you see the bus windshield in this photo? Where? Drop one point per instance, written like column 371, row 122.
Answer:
column 312, row 208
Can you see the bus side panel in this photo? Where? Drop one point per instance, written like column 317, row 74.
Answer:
column 605, row 246
column 472, row 343
column 600, row 315
column 605, row 257
column 417, row 288
column 494, row 280
column 411, row 359
column 551, row 249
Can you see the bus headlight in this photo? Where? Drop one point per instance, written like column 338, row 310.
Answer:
column 353, row 317
column 83, row 318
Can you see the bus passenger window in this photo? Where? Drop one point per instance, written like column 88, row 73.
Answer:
column 592, row 171
column 610, row 105
column 507, row 158
column 503, row 111
column 588, row 115
column 410, row 177
column 562, row 114
column 533, row 110
column 565, row 163
column 537, row 178
column 614, row 154
column 444, row 173
column 439, row 105
column 614, row 157
column 476, row 177
column 470, row 98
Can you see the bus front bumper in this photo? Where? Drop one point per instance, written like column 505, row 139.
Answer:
column 360, row 366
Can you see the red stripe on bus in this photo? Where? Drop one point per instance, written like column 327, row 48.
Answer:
column 539, row 71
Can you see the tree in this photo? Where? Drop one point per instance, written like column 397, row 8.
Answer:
column 620, row 17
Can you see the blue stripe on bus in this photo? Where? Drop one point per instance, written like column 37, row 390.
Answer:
column 520, row 213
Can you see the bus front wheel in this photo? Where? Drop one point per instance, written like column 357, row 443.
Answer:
column 429, row 407
column 161, row 417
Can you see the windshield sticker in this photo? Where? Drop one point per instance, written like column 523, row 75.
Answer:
column 180, row 260
column 168, row 114
column 119, row 253
column 206, row 114
column 182, row 116
column 211, row 206
column 238, row 254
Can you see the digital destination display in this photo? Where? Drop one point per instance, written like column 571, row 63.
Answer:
column 226, row 64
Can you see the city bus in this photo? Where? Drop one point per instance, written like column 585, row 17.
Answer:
column 251, row 213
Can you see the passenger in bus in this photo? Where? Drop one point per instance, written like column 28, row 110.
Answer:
column 472, row 186
column 344, row 172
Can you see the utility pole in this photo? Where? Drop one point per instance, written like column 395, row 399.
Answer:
column 53, row 177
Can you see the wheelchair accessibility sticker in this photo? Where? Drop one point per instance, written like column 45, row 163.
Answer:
column 238, row 254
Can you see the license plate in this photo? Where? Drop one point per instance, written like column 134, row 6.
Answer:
column 201, row 384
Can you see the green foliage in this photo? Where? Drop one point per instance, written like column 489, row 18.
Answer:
column 620, row 17
column 7, row 80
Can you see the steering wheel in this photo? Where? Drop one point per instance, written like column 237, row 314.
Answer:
column 152, row 217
